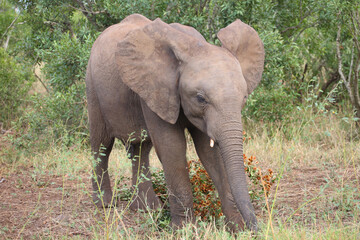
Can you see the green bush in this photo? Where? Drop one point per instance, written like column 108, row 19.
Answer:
column 15, row 81
column 269, row 105
column 59, row 118
column 66, row 61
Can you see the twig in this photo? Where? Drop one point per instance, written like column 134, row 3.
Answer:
column 122, row 223
column 355, row 22
column 309, row 26
column 10, row 26
column 87, row 11
column 37, row 207
column 308, row 13
column 47, row 90
column 351, row 64
column 267, row 205
column 334, row 77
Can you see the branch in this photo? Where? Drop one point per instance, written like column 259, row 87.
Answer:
column 355, row 87
column 338, row 54
column 308, row 26
column 6, row 44
column 351, row 83
column 87, row 11
column 38, row 78
column 355, row 22
column 351, row 64
column 51, row 23
column 308, row 13
column 334, row 77
column 90, row 15
column 10, row 26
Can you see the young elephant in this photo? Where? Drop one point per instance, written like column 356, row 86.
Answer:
column 148, row 75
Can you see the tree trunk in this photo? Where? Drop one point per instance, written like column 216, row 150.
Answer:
column 351, row 82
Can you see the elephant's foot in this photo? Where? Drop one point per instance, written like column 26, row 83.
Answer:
column 146, row 199
column 235, row 224
column 104, row 200
column 178, row 222
column 181, row 215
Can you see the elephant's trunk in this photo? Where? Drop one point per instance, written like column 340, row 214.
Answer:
column 231, row 149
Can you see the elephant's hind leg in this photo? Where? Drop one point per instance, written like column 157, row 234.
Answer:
column 102, row 193
column 141, row 178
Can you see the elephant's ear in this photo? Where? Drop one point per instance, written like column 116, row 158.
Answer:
column 148, row 60
column 244, row 42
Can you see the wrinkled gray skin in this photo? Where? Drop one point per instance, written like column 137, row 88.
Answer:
column 148, row 75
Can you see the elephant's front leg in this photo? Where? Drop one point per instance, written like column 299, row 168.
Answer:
column 170, row 145
column 211, row 159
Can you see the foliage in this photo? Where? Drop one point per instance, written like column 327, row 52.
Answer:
column 66, row 61
column 15, row 82
column 269, row 105
column 257, row 178
column 9, row 23
column 59, row 39
column 57, row 118
column 207, row 204
column 261, row 181
column 6, row 18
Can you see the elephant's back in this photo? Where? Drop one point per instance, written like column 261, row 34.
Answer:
column 105, row 45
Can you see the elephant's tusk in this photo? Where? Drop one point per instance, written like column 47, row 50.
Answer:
column 211, row 142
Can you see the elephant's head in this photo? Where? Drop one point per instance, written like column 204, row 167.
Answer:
column 172, row 67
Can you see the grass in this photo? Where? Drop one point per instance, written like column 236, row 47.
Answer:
column 316, row 196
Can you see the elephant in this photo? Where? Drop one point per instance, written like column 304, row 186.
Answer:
column 165, row 78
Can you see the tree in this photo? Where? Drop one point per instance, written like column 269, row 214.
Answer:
column 350, row 25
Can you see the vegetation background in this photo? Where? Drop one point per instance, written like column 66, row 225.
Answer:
column 303, row 119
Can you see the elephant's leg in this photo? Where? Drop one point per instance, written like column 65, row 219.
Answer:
column 141, row 178
column 170, row 145
column 211, row 159
column 102, row 195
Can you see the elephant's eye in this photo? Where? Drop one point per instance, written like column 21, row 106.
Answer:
column 200, row 98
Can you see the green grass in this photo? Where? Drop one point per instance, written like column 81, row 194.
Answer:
column 316, row 195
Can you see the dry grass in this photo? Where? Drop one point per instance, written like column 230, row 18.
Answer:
column 46, row 195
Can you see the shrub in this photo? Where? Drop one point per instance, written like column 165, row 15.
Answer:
column 206, row 201
column 66, row 61
column 57, row 118
column 15, row 82
column 269, row 105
